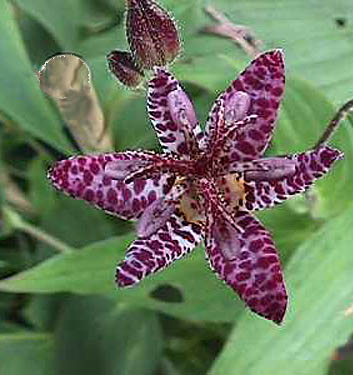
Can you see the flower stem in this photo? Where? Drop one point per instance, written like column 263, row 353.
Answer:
column 13, row 220
column 335, row 122
column 44, row 237
column 239, row 34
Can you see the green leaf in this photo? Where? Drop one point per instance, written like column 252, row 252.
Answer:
column 129, row 118
column 34, row 35
column 20, row 97
column 42, row 195
column 316, row 47
column 203, row 296
column 58, row 19
column 68, row 21
column 320, row 282
column 43, row 310
column 61, row 221
column 26, row 353
column 289, row 227
column 94, row 337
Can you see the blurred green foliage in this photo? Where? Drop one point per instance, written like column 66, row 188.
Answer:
column 60, row 313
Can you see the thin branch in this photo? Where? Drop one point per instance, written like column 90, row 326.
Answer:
column 335, row 123
column 44, row 237
column 241, row 35
column 13, row 220
column 13, row 194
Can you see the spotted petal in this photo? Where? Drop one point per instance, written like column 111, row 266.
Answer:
column 172, row 114
column 263, row 83
column 154, row 253
column 86, row 178
column 248, row 262
column 309, row 166
column 159, row 212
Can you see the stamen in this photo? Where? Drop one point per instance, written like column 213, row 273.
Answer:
column 236, row 107
column 158, row 213
column 228, row 238
column 154, row 217
column 181, row 109
column 121, row 169
column 216, row 204
column 183, row 114
column 271, row 169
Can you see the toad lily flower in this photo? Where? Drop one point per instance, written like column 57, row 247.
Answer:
column 206, row 184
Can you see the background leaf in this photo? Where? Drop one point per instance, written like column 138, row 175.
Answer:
column 73, row 273
column 320, row 282
column 71, row 300
column 34, row 353
column 23, row 101
column 94, row 337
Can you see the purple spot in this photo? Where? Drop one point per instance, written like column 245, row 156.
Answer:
column 139, row 185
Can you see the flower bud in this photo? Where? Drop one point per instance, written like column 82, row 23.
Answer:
column 152, row 34
column 122, row 65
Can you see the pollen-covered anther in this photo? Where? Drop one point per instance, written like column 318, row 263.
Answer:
column 154, row 217
column 236, row 107
column 122, row 169
column 271, row 169
column 181, row 109
column 183, row 115
column 228, row 237
column 124, row 68
column 152, row 34
column 159, row 212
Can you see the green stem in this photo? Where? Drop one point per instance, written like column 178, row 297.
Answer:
column 335, row 123
column 15, row 221
column 44, row 237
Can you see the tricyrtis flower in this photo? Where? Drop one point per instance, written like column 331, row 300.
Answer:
column 206, row 184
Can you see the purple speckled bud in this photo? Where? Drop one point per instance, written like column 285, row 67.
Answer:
column 152, row 34
column 122, row 65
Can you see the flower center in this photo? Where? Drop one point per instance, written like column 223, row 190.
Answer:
column 192, row 207
column 233, row 188
column 201, row 166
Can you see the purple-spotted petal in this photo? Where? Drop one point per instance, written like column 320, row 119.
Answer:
column 262, row 82
column 159, row 212
column 309, row 166
column 149, row 255
column 172, row 114
column 84, row 177
column 248, row 262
